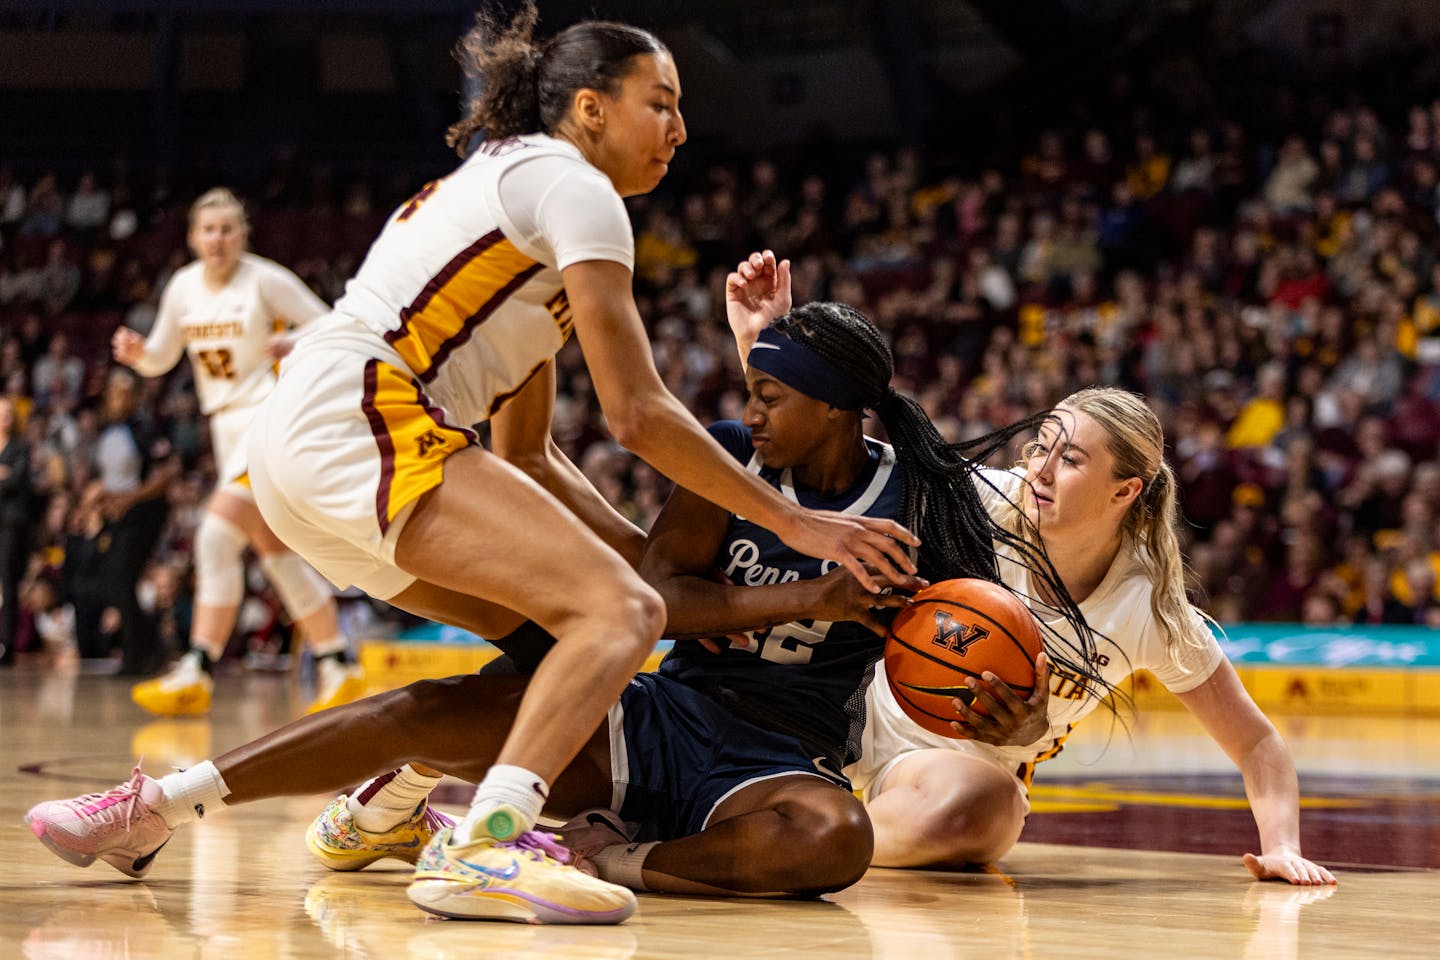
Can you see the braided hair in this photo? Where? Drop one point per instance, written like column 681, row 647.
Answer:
column 940, row 503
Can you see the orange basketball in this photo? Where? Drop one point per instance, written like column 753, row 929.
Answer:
column 957, row 629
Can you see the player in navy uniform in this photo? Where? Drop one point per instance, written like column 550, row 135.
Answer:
column 724, row 763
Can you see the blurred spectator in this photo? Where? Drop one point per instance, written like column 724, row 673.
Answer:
column 89, row 207
column 135, row 466
column 59, row 375
column 15, row 514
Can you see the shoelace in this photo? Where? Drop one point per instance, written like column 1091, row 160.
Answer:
column 435, row 821
column 102, row 807
column 539, row 845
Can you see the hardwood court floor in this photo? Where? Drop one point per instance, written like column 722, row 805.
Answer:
column 242, row 885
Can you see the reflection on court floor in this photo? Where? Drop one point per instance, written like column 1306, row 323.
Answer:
column 1107, row 857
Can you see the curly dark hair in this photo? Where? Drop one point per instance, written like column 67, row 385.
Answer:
column 527, row 85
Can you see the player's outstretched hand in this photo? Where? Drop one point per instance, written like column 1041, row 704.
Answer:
column 756, row 293
column 1011, row 721
column 1289, row 867
column 853, row 542
column 127, row 346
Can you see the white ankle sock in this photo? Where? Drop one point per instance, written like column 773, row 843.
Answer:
column 521, row 793
column 387, row 801
column 623, row 863
column 336, row 644
column 191, row 794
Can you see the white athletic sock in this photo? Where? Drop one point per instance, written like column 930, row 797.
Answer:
column 191, row 794
column 623, row 863
column 336, row 644
column 514, row 796
column 385, row 802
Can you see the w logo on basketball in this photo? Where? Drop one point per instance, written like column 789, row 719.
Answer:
column 428, row 441
column 954, row 635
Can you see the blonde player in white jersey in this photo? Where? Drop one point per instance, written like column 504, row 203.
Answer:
column 230, row 311
column 1096, row 489
column 364, row 461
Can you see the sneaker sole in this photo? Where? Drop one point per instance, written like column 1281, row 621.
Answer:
column 351, row 860
column 348, row 692
column 457, row 900
column 123, row 862
column 178, row 708
column 37, row 827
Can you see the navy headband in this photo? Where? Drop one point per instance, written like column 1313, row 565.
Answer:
column 797, row 366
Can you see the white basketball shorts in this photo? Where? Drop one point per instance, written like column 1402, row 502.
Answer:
column 339, row 453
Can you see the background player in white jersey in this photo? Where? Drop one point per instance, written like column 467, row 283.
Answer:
column 1098, row 497
column 230, row 312
column 362, row 459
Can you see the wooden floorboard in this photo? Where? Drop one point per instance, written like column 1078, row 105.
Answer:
column 242, row 885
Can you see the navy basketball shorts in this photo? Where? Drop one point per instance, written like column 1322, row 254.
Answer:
column 675, row 754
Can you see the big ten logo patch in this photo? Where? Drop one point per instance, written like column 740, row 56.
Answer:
column 559, row 307
column 956, row 635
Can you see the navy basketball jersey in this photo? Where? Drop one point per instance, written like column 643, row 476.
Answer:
column 806, row 678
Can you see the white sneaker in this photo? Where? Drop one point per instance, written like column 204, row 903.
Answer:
column 527, row 880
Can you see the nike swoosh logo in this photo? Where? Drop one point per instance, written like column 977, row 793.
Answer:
column 509, row 873
column 142, row 862
column 397, row 845
column 765, row 346
column 965, row 694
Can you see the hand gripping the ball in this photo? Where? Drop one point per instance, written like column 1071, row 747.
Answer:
column 1002, row 718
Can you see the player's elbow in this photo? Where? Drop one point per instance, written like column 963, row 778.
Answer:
column 627, row 426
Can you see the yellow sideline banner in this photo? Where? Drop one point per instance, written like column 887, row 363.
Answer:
column 1380, row 670
column 1317, row 689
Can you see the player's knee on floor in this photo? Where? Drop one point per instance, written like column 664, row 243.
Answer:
column 300, row 588
column 828, row 850
column 978, row 828
column 219, row 562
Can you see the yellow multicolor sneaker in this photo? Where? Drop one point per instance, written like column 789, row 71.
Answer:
column 526, row 880
column 338, row 843
column 337, row 683
column 182, row 692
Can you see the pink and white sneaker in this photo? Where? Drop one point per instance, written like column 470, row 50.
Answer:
column 589, row 832
column 117, row 826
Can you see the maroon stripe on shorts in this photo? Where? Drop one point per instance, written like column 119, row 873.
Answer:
column 382, row 440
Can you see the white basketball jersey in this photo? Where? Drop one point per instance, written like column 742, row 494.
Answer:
column 1128, row 638
column 464, row 282
column 225, row 331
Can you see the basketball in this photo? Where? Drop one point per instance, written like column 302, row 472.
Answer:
column 957, row 629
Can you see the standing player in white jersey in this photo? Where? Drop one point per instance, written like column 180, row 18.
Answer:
column 363, row 460
column 231, row 311
column 1096, row 493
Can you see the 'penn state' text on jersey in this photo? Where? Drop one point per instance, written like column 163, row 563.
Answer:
column 806, row 678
